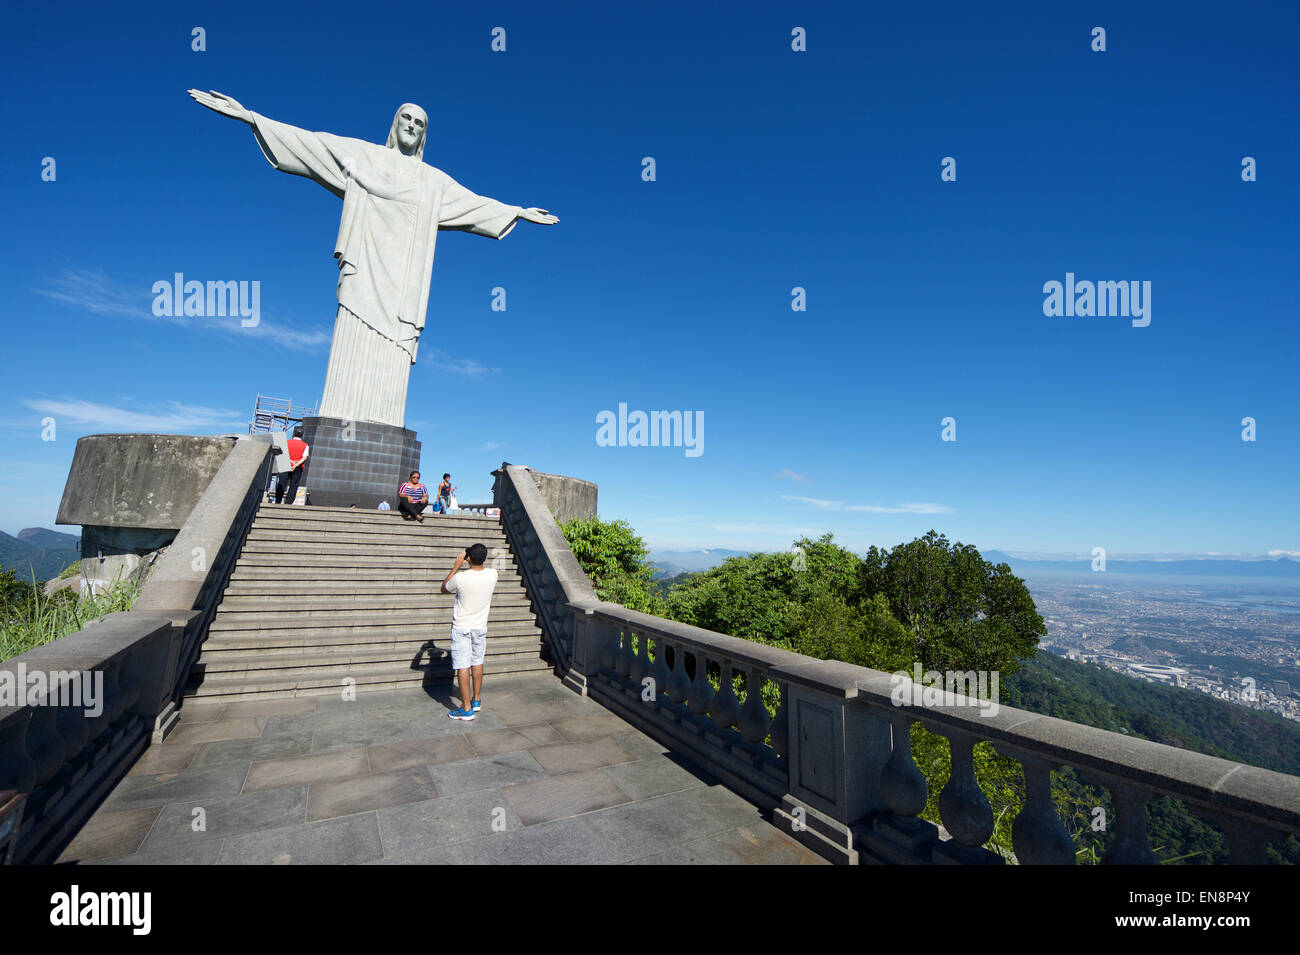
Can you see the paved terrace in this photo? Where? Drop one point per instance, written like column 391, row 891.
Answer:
column 390, row 779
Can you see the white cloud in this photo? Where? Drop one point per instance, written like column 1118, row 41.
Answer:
column 1285, row 553
column 469, row 367
column 93, row 291
column 825, row 505
column 787, row 473
column 174, row 417
column 490, row 445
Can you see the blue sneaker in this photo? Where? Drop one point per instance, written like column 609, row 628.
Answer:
column 476, row 705
column 461, row 714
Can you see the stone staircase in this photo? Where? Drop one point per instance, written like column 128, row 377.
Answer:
column 322, row 594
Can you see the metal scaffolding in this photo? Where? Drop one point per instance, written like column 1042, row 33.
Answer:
column 277, row 414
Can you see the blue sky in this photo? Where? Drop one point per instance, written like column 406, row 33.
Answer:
column 774, row 169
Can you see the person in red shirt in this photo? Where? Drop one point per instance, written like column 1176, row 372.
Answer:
column 297, row 461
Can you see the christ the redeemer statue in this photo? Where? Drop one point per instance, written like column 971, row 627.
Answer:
column 393, row 206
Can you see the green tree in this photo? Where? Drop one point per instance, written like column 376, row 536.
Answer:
column 616, row 560
column 963, row 612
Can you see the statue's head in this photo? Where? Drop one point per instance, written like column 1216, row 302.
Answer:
column 408, row 130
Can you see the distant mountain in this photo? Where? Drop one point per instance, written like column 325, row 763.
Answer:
column 39, row 552
column 670, row 563
column 1282, row 567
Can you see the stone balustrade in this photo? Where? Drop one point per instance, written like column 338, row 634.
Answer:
column 66, row 757
column 835, row 764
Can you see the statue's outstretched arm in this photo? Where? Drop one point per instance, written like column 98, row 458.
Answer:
column 223, row 104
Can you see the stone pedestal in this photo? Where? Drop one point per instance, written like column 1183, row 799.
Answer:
column 357, row 462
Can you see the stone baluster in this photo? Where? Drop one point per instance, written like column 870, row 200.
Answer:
column 901, row 783
column 965, row 811
column 701, row 693
column 1247, row 844
column 659, row 672
column 754, row 721
column 625, row 661
column 724, row 707
column 641, row 660
column 17, row 769
column 781, row 724
column 1131, row 846
column 1037, row 834
column 679, row 684
column 603, row 636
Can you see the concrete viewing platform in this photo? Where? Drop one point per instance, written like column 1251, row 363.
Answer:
column 541, row 776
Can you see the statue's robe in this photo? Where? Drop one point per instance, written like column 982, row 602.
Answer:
column 393, row 207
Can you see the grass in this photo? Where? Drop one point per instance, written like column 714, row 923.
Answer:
column 30, row 619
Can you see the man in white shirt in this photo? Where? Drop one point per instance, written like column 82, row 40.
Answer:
column 473, row 589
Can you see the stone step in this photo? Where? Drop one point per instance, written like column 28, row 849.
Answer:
column 360, row 656
column 343, row 515
column 360, row 620
column 415, row 573
column 427, row 550
column 377, row 603
column 321, row 684
column 412, row 638
column 416, row 538
column 344, row 586
column 305, row 560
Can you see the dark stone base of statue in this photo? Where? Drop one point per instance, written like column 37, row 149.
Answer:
column 357, row 462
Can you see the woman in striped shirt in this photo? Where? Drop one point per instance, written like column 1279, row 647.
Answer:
column 412, row 498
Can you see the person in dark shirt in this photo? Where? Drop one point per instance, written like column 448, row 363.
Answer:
column 412, row 498
column 445, row 491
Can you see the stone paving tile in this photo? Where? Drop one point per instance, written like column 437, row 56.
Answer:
column 563, row 758
column 495, row 742
column 210, row 782
column 268, row 809
column 602, row 723
column 367, row 734
column 297, row 704
column 420, row 753
column 562, row 796
column 165, row 758
column 107, row 835
column 347, row 840
column 649, row 826
column 486, row 772
column 414, row 829
column 539, row 734
column 251, row 750
column 514, row 713
column 201, row 853
column 195, row 711
column 654, row 776
column 207, row 732
column 564, row 842
column 638, row 744
column 365, row 699
column 272, row 773
column 341, row 797
column 744, row 845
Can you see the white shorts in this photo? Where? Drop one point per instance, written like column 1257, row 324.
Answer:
column 467, row 648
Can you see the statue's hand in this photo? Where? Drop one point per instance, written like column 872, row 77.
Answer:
column 540, row 216
column 223, row 104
